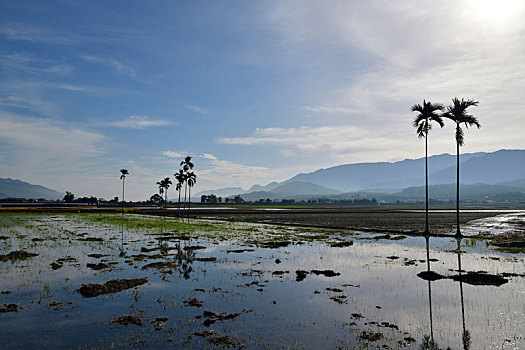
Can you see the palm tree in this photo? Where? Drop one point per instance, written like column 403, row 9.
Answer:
column 187, row 165
column 457, row 112
column 167, row 183
column 427, row 114
column 180, row 177
column 191, row 180
column 164, row 184
column 123, row 173
column 161, row 187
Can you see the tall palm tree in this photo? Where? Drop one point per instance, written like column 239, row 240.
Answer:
column 191, row 180
column 167, row 183
column 164, row 184
column 180, row 176
column 123, row 173
column 187, row 165
column 161, row 187
column 457, row 112
column 427, row 114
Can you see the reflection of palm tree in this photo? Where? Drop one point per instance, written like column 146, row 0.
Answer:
column 427, row 114
column 123, row 173
column 122, row 252
column 457, row 112
column 429, row 287
column 191, row 179
column 466, row 334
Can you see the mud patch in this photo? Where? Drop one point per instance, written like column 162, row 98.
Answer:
column 9, row 308
column 128, row 319
column 93, row 289
column 17, row 255
column 99, row 266
column 480, row 279
column 430, row 276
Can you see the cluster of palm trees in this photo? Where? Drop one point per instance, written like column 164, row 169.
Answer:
column 184, row 177
column 435, row 112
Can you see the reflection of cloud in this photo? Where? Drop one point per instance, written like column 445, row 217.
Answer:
column 196, row 109
column 140, row 122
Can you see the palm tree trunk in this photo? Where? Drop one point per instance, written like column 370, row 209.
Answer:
column 185, row 190
column 166, row 198
column 123, row 192
column 458, row 231
column 426, row 184
column 178, row 207
column 189, row 202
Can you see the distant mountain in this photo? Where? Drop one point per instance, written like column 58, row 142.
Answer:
column 289, row 190
column 480, row 167
column 10, row 188
column 482, row 174
column 221, row 192
column 491, row 168
column 298, row 188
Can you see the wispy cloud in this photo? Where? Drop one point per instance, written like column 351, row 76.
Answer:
column 196, row 109
column 45, row 145
column 175, row 154
column 120, row 67
column 31, row 64
column 16, row 31
column 208, row 156
column 330, row 110
column 140, row 122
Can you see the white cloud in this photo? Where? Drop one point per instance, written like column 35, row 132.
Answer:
column 330, row 110
column 33, row 65
column 140, row 122
column 208, row 156
column 110, row 62
column 174, row 154
column 196, row 109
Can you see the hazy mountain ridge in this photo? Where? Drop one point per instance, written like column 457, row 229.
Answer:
column 503, row 167
column 10, row 188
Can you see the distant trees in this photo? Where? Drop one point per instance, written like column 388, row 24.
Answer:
column 68, row 197
column 428, row 112
column 210, row 199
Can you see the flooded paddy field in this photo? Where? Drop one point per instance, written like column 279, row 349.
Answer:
column 120, row 281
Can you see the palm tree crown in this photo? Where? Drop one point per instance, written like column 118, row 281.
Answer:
column 187, row 164
column 427, row 114
column 123, row 173
column 457, row 112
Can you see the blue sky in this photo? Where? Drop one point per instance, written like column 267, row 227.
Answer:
column 255, row 91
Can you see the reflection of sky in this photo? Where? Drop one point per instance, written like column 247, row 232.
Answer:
column 299, row 316
column 500, row 224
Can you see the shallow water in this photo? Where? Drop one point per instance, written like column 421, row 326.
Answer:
column 377, row 289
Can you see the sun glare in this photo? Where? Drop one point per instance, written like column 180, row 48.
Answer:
column 495, row 10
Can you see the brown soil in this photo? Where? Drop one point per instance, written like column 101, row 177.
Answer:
column 213, row 259
column 92, row 289
column 341, row 244
column 193, row 302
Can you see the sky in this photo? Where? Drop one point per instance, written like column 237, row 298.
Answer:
column 254, row 91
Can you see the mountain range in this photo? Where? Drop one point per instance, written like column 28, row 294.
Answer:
column 504, row 168
column 10, row 188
